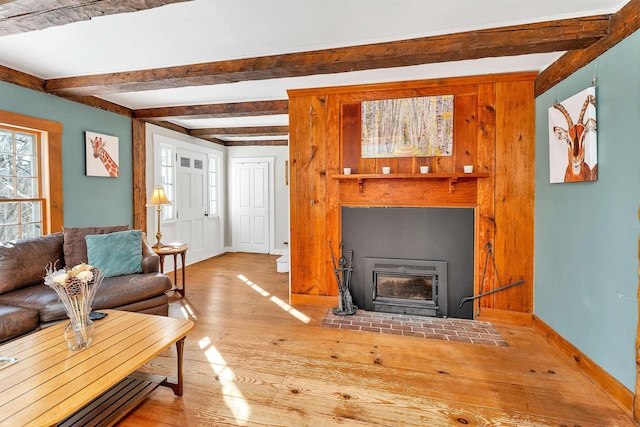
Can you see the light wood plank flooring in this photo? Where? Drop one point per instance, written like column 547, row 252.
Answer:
column 252, row 360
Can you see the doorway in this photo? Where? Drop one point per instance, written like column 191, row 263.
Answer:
column 191, row 197
column 194, row 178
column 253, row 200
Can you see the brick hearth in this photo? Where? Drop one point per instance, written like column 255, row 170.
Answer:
column 459, row 330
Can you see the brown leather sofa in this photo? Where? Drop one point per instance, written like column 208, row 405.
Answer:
column 27, row 304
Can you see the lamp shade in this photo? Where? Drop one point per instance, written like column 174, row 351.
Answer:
column 158, row 197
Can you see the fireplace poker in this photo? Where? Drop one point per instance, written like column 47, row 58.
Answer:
column 349, row 307
column 489, row 248
column 335, row 267
column 348, row 282
column 502, row 288
column 340, row 308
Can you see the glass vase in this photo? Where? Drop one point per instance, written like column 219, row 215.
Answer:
column 78, row 334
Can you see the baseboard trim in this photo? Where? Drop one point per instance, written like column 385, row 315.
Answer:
column 505, row 317
column 601, row 378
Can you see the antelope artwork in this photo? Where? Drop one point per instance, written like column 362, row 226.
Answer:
column 574, row 136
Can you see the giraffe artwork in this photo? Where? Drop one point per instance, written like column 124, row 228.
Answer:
column 102, row 155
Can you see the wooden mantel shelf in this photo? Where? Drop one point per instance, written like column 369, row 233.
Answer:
column 452, row 177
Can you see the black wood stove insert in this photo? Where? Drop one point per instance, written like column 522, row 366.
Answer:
column 405, row 286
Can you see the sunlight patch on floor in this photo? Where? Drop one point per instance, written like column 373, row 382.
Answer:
column 283, row 305
column 231, row 394
column 255, row 287
column 292, row 311
column 187, row 311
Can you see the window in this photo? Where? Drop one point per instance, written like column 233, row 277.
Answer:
column 20, row 193
column 213, row 186
column 30, row 176
column 167, row 173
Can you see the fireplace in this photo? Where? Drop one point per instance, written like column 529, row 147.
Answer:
column 421, row 238
column 406, row 286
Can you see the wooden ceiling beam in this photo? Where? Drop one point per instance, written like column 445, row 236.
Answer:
column 19, row 78
column 550, row 36
column 30, row 15
column 102, row 104
column 242, row 131
column 168, row 125
column 274, row 142
column 208, row 111
column 623, row 23
column 180, row 129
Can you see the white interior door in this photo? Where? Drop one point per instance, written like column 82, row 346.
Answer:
column 186, row 215
column 191, row 201
column 252, row 221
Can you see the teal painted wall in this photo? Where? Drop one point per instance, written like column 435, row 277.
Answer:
column 586, row 234
column 87, row 200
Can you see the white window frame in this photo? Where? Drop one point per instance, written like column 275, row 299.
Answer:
column 168, row 211
column 216, row 185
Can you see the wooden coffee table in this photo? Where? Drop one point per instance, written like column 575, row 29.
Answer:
column 50, row 384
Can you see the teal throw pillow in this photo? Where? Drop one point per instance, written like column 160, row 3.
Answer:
column 116, row 253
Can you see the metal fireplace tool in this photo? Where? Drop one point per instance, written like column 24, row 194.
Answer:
column 489, row 248
column 343, row 276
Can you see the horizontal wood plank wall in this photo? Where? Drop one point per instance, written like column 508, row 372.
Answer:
column 320, row 150
column 409, row 192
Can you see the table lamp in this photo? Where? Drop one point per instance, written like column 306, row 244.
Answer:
column 158, row 198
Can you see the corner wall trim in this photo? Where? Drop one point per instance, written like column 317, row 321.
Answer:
column 601, row 378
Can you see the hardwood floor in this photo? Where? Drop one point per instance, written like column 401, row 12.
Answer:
column 252, row 360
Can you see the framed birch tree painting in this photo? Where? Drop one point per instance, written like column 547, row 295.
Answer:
column 408, row 127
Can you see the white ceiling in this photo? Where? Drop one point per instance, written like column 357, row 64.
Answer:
column 213, row 30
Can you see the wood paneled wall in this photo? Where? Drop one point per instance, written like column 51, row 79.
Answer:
column 494, row 118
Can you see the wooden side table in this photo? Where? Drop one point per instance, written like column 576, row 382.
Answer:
column 175, row 251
